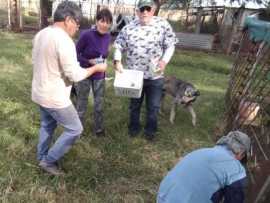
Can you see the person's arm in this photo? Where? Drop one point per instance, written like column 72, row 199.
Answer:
column 120, row 45
column 68, row 61
column 117, row 60
column 168, row 43
column 168, row 53
column 234, row 193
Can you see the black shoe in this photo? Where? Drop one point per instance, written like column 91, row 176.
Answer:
column 100, row 133
column 149, row 137
column 133, row 133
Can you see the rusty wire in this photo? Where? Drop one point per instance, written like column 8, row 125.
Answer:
column 248, row 80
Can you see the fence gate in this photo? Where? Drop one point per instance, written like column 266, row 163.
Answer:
column 248, row 104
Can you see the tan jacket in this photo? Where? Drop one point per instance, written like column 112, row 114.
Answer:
column 55, row 67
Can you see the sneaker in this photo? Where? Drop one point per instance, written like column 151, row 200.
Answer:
column 50, row 168
column 100, row 133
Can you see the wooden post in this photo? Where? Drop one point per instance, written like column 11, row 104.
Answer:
column 14, row 16
column 236, row 19
column 9, row 15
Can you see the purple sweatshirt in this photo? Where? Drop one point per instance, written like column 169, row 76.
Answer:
column 91, row 45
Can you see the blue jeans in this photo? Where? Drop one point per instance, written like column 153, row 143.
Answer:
column 98, row 89
column 152, row 91
column 49, row 118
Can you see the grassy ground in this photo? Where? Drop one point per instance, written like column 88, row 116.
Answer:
column 115, row 168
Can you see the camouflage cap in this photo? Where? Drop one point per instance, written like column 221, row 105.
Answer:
column 236, row 141
column 143, row 3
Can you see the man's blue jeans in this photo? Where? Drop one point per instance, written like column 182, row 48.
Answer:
column 49, row 118
column 152, row 91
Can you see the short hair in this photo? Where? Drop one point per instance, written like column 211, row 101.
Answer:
column 236, row 141
column 66, row 9
column 104, row 14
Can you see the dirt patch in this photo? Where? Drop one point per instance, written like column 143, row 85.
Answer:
column 259, row 167
column 259, row 187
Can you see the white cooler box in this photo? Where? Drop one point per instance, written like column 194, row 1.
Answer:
column 129, row 83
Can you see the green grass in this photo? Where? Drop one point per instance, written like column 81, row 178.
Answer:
column 115, row 168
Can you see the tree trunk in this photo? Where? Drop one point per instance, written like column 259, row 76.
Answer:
column 158, row 4
column 186, row 20
column 198, row 21
column 15, row 16
column 44, row 14
column 235, row 25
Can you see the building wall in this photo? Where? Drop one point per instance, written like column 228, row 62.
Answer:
column 227, row 20
column 174, row 15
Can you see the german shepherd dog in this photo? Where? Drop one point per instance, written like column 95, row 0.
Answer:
column 183, row 93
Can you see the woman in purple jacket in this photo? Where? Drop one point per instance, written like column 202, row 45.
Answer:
column 92, row 48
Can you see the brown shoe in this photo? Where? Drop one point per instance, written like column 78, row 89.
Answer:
column 50, row 168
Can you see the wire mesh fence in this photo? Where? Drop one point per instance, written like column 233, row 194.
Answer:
column 248, row 109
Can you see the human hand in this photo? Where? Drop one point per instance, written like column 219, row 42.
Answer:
column 118, row 66
column 162, row 65
column 101, row 67
column 92, row 61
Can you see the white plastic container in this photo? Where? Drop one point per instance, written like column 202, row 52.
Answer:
column 129, row 83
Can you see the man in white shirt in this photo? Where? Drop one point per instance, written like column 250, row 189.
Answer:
column 55, row 69
column 148, row 43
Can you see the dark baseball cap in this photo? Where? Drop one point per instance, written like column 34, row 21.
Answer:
column 143, row 3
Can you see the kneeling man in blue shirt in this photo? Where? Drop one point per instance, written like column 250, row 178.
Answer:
column 209, row 175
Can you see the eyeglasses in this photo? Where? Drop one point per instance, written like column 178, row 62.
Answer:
column 76, row 21
column 145, row 8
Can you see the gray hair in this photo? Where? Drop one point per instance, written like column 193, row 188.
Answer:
column 66, row 9
column 236, row 141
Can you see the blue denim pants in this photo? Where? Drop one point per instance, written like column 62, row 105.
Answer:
column 152, row 91
column 49, row 117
